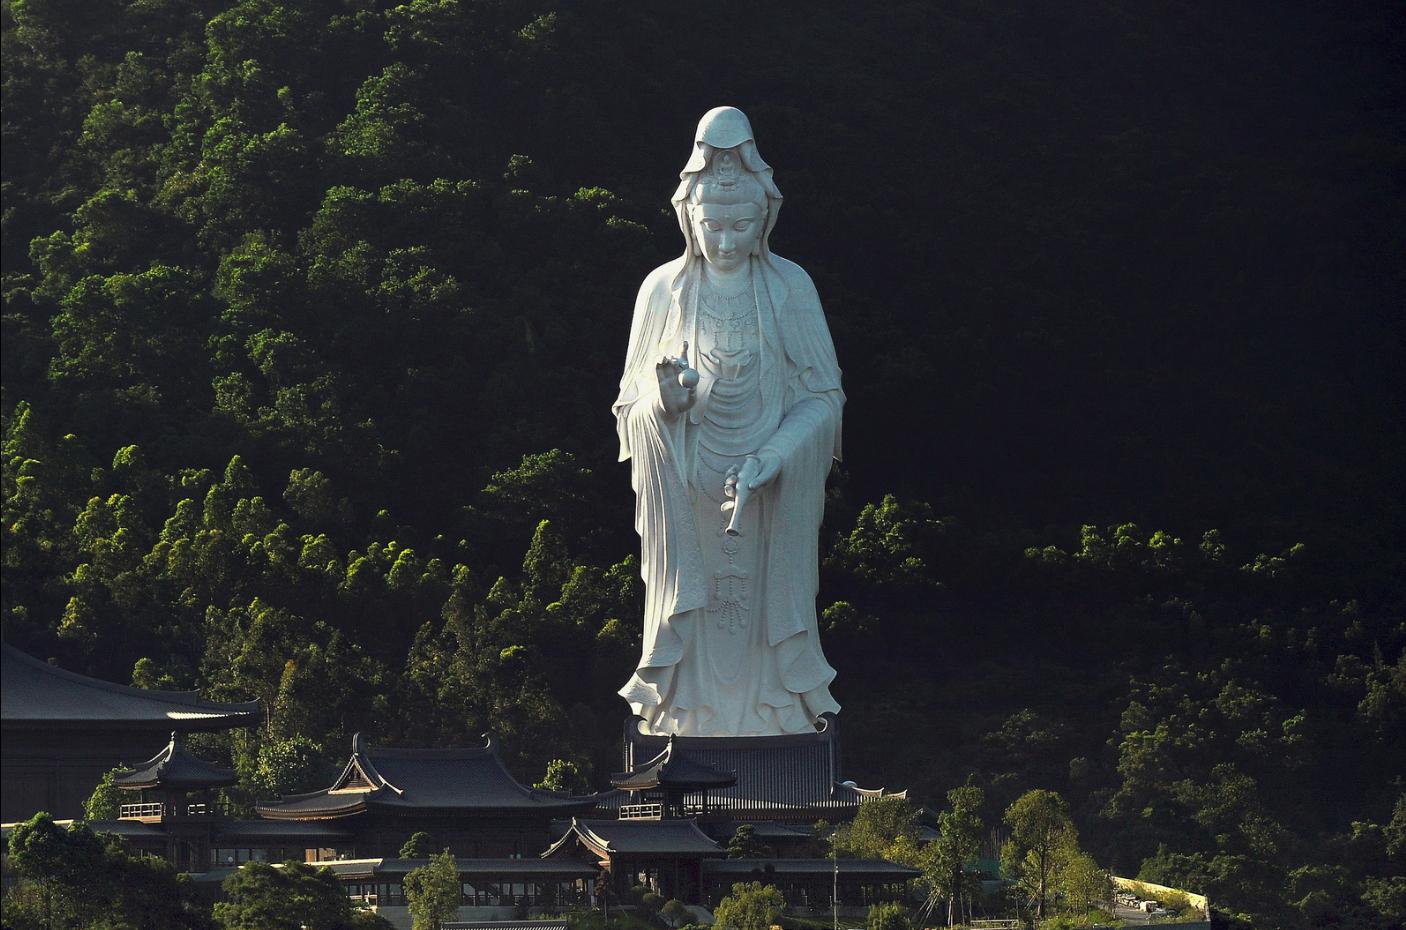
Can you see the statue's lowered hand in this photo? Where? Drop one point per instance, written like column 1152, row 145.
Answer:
column 737, row 489
column 677, row 380
column 768, row 467
column 739, row 484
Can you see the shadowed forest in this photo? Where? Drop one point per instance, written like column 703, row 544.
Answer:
column 314, row 312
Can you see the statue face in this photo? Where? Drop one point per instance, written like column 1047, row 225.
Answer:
column 727, row 233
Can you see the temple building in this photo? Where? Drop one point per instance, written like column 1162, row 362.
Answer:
column 464, row 798
column 809, row 884
column 792, row 779
column 664, row 825
column 175, row 793
column 63, row 731
column 665, row 856
column 488, row 887
column 660, row 787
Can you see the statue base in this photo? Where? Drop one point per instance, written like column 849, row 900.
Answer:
column 793, row 778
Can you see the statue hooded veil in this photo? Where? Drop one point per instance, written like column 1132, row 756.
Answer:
column 731, row 645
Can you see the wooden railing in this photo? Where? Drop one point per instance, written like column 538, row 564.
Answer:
column 655, row 810
column 641, row 811
column 155, row 810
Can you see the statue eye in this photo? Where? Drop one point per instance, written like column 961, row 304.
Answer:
column 712, row 225
column 742, row 225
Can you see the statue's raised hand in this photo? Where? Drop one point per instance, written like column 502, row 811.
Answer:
column 677, row 381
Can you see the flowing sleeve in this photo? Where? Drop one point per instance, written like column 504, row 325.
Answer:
column 807, row 442
column 647, row 326
column 671, row 562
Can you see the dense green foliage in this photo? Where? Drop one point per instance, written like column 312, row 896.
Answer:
column 890, row 916
column 745, row 844
column 295, row 896
column 750, row 906
column 1043, row 839
column 948, row 861
column 432, row 891
column 72, row 877
column 420, row 845
column 105, row 803
column 313, row 313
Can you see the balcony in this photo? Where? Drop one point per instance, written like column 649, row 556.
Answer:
column 156, row 811
column 655, row 811
column 641, row 811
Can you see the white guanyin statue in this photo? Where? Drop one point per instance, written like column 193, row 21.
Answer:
column 729, row 412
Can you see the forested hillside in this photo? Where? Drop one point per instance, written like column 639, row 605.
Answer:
column 314, row 312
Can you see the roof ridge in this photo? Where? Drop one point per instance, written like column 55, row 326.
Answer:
column 361, row 760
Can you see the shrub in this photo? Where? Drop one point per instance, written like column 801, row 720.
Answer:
column 890, row 916
column 751, row 906
column 673, row 911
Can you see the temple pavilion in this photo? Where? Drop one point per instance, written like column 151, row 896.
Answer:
column 63, row 731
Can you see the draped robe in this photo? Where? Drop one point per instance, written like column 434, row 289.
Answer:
column 784, row 685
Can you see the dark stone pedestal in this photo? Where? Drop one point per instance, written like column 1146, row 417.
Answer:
column 793, row 778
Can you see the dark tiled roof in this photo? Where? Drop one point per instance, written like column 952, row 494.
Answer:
column 762, row 830
column 472, row 779
column 35, row 694
column 673, row 769
column 249, row 831
column 527, row 869
column 314, row 806
column 848, row 868
column 173, row 767
column 127, row 829
column 213, row 876
column 640, row 837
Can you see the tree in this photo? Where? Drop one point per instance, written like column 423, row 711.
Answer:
column 432, row 892
column 90, row 880
column 293, row 896
column 879, row 823
column 945, row 860
column 56, row 863
column 751, row 906
column 564, row 775
column 105, row 803
column 744, row 844
column 1041, row 834
column 420, row 845
column 1082, row 884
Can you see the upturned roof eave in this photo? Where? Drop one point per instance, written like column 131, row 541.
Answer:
column 183, row 710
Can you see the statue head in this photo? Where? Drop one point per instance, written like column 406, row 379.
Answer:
column 726, row 201
column 727, row 212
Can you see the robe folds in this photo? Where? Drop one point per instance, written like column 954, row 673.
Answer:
column 801, row 400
